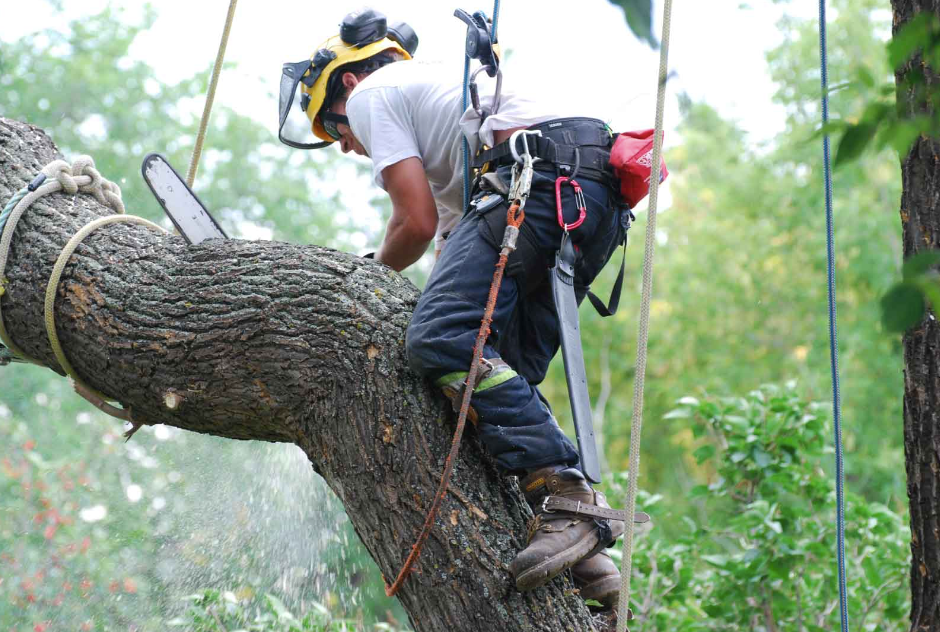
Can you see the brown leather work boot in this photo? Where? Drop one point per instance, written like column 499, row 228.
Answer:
column 572, row 522
column 598, row 578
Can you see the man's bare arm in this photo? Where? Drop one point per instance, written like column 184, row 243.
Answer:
column 414, row 214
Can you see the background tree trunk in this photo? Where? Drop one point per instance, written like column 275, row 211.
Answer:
column 920, row 220
column 279, row 342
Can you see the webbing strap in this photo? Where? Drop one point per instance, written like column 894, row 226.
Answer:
column 560, row 504
column 614, row 303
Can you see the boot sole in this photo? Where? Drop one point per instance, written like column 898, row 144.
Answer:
column 545, row 571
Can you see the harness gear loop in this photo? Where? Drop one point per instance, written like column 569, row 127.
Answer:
column 514, row 218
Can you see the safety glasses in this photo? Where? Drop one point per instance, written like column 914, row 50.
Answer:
column 330, row 121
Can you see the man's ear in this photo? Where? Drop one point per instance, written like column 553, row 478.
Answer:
column 350, row 81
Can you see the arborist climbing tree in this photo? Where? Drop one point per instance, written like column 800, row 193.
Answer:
column 546, row 204
column 545, row 193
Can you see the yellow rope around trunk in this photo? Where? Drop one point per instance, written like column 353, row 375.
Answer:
column 49, row 311
column 80, row 177
column 640, row 372
column 210, row 96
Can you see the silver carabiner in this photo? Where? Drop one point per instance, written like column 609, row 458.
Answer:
column 513, row 141
column 475, row 93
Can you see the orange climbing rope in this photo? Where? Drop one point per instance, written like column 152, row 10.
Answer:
column 514, row 218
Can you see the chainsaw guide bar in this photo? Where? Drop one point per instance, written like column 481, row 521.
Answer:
column 188, row 214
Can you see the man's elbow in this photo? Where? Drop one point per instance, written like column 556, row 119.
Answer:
column 425, row 231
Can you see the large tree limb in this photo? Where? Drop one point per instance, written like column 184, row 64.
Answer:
column 279, row 342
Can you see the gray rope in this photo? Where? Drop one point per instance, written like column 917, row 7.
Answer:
column 636, row 427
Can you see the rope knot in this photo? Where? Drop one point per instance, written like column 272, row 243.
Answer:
column 62, row 172
column 106, row 192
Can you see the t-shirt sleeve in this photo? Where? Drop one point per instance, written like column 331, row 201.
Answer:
column 379, row 119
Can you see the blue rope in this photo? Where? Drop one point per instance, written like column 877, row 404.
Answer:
column 6, row 356
column 495, row 19
column 466, row 143
column 19, row 195
column 833, row 335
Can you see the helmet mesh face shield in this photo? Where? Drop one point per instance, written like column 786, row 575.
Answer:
column 293, row 122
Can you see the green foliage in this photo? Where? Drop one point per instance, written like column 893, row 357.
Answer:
column 639, row 16
column 895, row 116
column 221, row 611
column 739, row 293
column 904, row 304
column 758, row 550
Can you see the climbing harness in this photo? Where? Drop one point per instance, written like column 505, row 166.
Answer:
column 521, row 184
column 81, row 176
column 643, row 336
column 833, row 334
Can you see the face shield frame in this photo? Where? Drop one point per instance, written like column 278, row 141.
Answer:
column 292, row 74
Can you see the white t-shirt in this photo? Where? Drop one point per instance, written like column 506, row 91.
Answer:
column 412, row 109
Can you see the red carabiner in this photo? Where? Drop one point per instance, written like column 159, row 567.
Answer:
column 579, row 200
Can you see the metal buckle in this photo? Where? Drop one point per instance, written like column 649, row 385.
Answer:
column 515, row 137
column 545, row 508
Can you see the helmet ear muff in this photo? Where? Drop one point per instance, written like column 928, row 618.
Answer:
column 363, row 27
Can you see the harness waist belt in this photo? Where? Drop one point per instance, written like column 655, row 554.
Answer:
column 564, row 144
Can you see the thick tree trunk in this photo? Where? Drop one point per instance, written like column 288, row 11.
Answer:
column 920, row 220
column 279, row 342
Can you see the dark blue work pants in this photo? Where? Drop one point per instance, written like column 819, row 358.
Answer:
column 515, row 424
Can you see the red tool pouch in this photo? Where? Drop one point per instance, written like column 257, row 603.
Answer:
column 631, row 158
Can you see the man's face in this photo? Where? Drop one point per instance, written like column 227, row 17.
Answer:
column 347, row 141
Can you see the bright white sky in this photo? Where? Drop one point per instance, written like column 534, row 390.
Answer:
column 577, row 52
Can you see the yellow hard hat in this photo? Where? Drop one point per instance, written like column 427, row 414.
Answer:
column 344, row 54
column 363, row 34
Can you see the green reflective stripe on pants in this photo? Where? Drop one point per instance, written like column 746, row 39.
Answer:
column 457, row 378
column 452, row 379
column 496, row 380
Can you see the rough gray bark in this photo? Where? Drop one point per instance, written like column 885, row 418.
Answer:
column 279, row 342
column 920, row 220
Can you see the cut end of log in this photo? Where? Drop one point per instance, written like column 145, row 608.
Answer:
column 172, row 400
